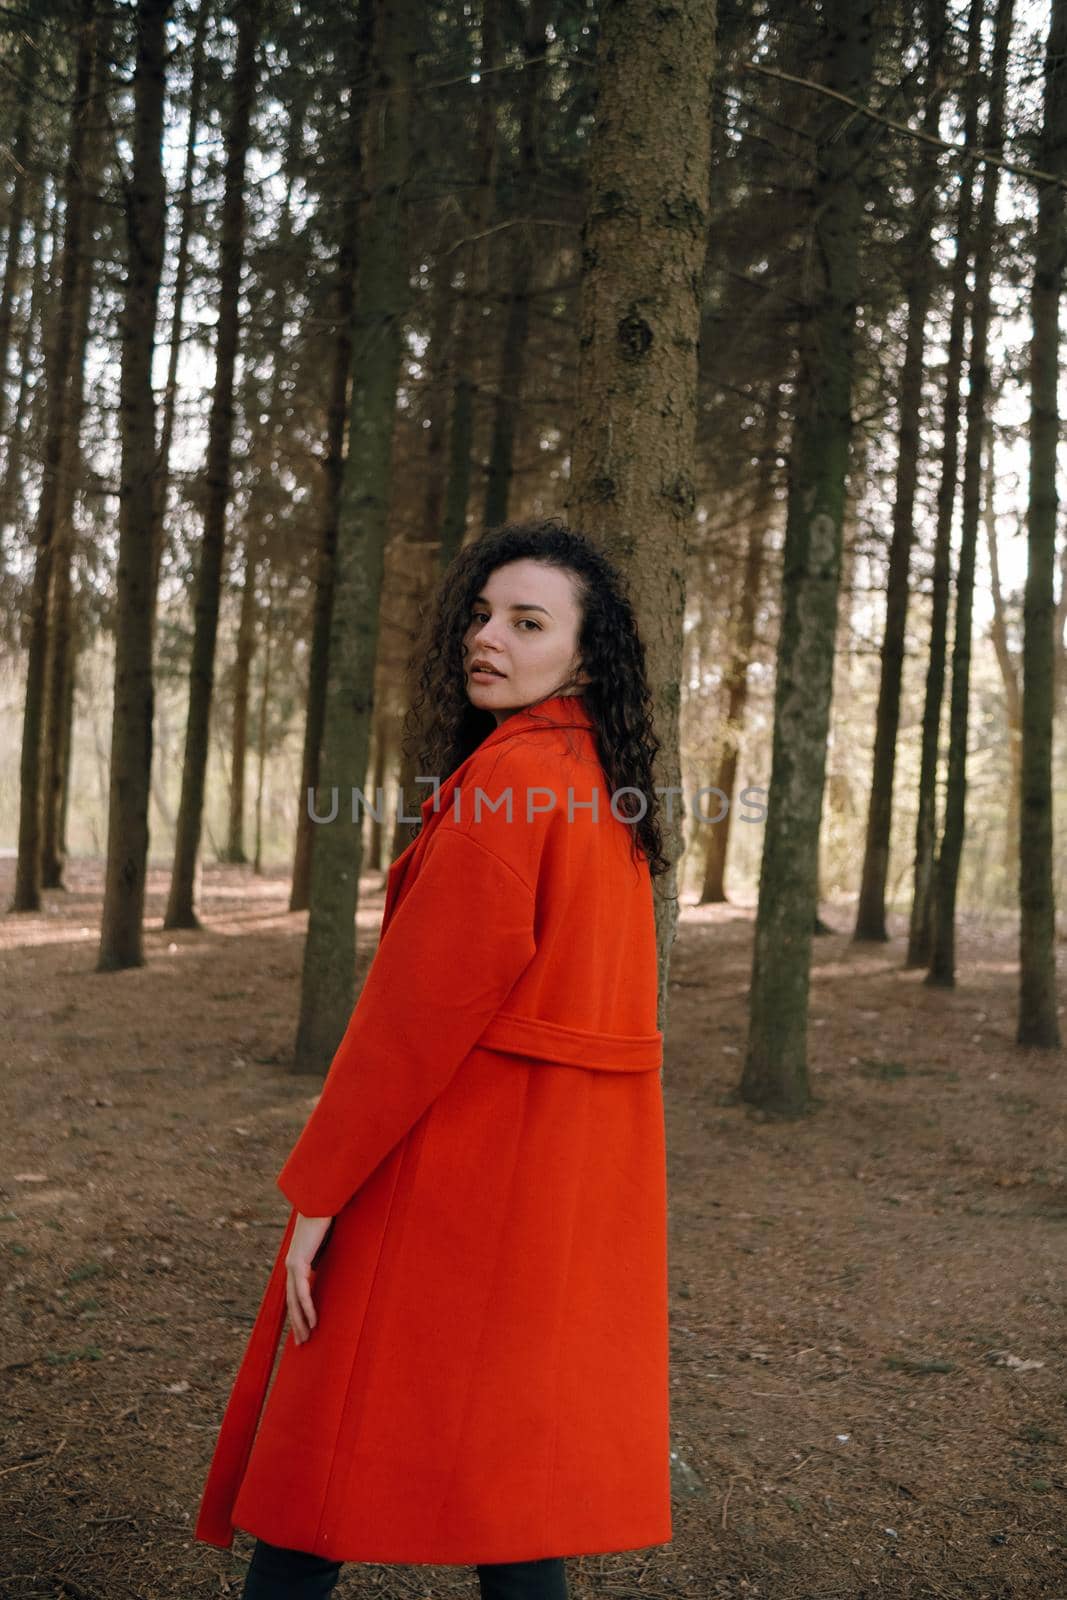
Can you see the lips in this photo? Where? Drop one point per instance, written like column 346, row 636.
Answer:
column 483, row 666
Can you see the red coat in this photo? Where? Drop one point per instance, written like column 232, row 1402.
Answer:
column 488, row 1379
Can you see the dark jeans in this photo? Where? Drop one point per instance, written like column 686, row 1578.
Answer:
column 276, row 1573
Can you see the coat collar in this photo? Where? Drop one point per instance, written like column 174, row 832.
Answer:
column 563, row 710
column 559, row 711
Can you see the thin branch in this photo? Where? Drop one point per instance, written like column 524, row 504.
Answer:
column 972, row 154
column 552, row 57
column 511, row 222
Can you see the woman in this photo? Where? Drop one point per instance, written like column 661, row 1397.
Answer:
column 475, row 1265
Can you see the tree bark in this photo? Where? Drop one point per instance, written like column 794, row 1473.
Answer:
column 16, row 212
column 376, row 824
column 1038, row 1023
column 62, row 624
column 423, row 566
column 473, row 301
column 643, row 253
column 1059, row 633
column 264, row 723
column 181, row 284
column 27, row 895
column 265, row 437
column 242, row 673
column 921, row 919
column 328, row 979
column 920, row 270
column 121, row 935
column 1008, row 671
column 713, row 891
column 775, row 1068
column 181, row 911
column 59, row 693
column 508, row 399
column 45, row 227
column 334, row 465
column 942, row 971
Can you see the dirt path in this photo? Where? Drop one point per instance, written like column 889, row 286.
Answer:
column 868, row 1307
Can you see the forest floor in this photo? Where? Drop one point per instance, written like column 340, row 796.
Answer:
column 868, row 1306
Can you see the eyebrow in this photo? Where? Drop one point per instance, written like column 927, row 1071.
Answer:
column 519, row 605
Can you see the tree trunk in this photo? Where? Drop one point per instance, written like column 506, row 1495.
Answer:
column 261, row 734
column 45, row 227
column 1059, row 633
column 643, row 250
column 181, row 912
column 328, row 980
column 62, row 628
column 942, row 971
column 921, row 920
column 473, row 301
column 16, row 212
column 920, row 271
column 423, row 567
column 263, row 457
column 59, row 680
column 1008, row 672
column 713, row 891
column 775, row 1068
column 334, row 465
column 375, row 842
column 67, row 734
column 1038, row 1023
column 121, row 941
column 839, row 808
column 242, row 672
column 520, row 256
column 181, row 283
column 27, row 896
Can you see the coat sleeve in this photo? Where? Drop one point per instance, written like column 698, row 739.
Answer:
column 452, row 952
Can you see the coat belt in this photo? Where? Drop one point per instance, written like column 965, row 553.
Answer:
column 573, row 1047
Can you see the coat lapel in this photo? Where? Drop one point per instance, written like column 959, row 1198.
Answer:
column 560, row 710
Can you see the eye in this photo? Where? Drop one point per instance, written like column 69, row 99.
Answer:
column 523, row 622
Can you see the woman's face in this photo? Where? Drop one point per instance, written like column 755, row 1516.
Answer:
column 524, row 624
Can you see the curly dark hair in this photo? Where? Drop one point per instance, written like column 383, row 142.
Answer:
column 442, row 728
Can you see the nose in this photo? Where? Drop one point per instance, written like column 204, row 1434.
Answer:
column 484, row 639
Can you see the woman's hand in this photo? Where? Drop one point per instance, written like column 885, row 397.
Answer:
column 308, row 1234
